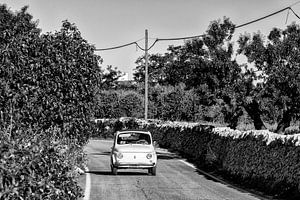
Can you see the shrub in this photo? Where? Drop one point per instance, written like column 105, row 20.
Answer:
column 119, row 103
column 47, row 92
column 37, row 168
column 47, row 80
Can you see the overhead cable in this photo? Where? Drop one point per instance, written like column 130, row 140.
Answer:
column 180, row 38
column 198, row 36
column 236, row 27
column 117, row 47
column 121, row 46
column 259, row 19
column 295, row 13
column 152, row 45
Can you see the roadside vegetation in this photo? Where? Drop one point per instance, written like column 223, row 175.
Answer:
column 53, row 87
column 202, row 80
column 47, row 85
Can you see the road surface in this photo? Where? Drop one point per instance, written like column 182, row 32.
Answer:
column 175, row 179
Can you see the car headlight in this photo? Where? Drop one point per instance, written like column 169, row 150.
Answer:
column 119, row 155
column 149, row 156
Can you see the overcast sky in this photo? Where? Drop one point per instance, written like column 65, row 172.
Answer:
column 108, row 23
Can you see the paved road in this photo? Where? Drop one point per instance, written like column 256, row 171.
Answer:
column 174, row 180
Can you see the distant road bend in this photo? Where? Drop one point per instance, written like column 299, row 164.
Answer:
column 175, row 179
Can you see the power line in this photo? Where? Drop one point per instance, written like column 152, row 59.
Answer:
column 236, row 27
column 117, row 47
column 294, row 13
column 121, row 46
column 267, row 16
column 259, row 19
column 180, row 38
column 153, row 44
column 202, row 35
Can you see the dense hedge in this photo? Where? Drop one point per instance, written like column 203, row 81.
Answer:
column 260, row 160
column 38, row 168
column 48, row 84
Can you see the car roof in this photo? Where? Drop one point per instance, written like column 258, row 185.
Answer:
column 133, row 130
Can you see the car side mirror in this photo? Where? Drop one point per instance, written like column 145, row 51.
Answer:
column 155, row 143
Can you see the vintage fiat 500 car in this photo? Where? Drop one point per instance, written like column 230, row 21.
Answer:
column 133, row 149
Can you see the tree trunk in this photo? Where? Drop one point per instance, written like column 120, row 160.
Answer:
column 231, row 115
column 235, row 117
column 284, row 122
column 254, row 112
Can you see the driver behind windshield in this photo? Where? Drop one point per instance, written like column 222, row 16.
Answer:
column 133, row 138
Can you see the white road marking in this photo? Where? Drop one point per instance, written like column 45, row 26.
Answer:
column 188, row 164
column 87, row 184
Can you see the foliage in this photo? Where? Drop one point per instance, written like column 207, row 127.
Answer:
column 37, row 167
column 155, row 70
column 132, row 105
column 119, row 103
column 107, row 127
column 108, row 104
column 17, row 30
column 204, row 65
column 267, row 92
column 110, row 77
column 165, row 102
column 48, row 80
column 278, row 60
column 47, row 92
column 174, row 103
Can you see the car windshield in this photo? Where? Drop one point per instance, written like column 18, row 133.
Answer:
column 133, row 138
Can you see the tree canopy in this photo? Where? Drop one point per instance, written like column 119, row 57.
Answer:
column 277, row 59
column 267, row 88
column 46, row 80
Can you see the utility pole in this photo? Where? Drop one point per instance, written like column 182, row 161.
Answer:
column 146, row 74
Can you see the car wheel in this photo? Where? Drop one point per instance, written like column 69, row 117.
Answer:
column 152, row 171
column 114, row 170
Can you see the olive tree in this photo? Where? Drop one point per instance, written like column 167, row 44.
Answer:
column 277, row 59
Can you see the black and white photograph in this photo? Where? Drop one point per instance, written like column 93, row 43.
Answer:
column 150, row 100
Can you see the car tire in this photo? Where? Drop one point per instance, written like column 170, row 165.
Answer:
column 152, row 171
column 114, row 170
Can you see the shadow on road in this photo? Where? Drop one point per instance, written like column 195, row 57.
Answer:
column 120, row 173
column 167, row 156
column 100, row 154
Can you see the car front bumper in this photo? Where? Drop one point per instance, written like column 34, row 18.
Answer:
column 133, row 165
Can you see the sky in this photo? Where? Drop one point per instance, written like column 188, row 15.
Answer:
column 109, row 23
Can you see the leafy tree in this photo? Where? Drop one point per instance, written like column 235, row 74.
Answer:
column 204, row 64
column 109, row 78
column 119, row 103
column 175, row 103
column 247, row 97
column 46, row 80
column 108, row 104
column 47, row 89
column 132, row 105
column 278, row 60
column 17, row 33
column 181, row 64
column 155, row 71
